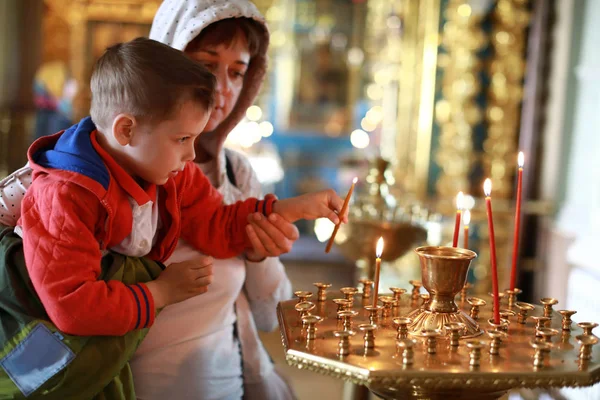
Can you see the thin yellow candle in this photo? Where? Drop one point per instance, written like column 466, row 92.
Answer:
column 378, row 252
column 466, row 222
column 342, row 212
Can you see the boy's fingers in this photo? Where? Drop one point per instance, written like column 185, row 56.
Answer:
column 331, row 215
column 203, row 281
column 255, row 241
column 203, row 262
column 206, row 270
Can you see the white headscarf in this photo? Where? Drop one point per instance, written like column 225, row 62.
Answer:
column 178, row 22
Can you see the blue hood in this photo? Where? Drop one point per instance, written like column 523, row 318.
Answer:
column 74, row 151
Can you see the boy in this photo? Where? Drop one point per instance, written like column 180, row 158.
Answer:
column 122, row 181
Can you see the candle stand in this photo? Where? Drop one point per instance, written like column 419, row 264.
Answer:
column 434, row 348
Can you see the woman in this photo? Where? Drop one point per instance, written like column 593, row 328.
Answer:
column 208, row 347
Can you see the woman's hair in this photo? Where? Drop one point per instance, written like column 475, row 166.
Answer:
column 227, row 31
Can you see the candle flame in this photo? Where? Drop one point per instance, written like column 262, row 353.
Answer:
column 487, row 187
column 379, row 249
column 355, row 179
column 467, row 217
column 460, row 200
column 521, row 159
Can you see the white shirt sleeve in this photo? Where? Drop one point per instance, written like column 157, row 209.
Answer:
column 12, row 191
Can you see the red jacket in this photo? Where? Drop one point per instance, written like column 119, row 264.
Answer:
column 78, row 206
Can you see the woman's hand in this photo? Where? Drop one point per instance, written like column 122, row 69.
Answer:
column 270, row 237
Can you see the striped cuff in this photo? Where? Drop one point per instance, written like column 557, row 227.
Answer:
column 144, row 305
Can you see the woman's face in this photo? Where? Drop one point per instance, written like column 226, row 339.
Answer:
column 229, row 64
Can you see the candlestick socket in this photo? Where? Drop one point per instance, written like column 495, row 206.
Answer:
column 548, row 302
column 566, row 320
column 342, row 304
column 405, row 350
column 431, row 336
column 402, row 323
column 586, row 342
column 398, row 292
column 416, row 290
column 322, row 290
column 496, row 340
column 587, row 327
column 475, row 303
column 524, row 309
column 303, row 295
column 369, row 335
column 367, row 288
column 474, row 347
column 344, row 343
column 541, row 350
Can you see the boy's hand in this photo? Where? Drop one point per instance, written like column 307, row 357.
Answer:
column 270, row 237
column 180, row 281
column 324, row 204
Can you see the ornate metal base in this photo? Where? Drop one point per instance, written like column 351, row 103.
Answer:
column 418, row 393
column 425, row 319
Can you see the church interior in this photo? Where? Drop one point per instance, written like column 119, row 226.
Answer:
column 419, row 100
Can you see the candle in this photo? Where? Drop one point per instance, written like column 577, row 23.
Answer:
column 342, row 212
column 466, row 221
column 378, row 252
column 487, row 189
column 459, row 206
column 513, row 270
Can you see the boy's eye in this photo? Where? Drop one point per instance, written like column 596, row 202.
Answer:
column 183, row 139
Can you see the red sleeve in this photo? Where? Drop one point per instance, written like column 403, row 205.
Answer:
column 213, row 228
column 62, row 254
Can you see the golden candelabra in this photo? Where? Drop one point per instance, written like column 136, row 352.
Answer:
column 342, row 334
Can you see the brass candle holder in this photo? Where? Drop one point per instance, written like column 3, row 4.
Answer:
column 444, row 273
column 398, row 359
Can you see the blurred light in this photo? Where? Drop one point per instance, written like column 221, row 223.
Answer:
column 274, row 13
column 278, row 39
column 253, row 131
column 382, row 76
column 266, row 128
column 253, row 113
column 374, row 91
column 323, row 229
column 359, row 139
column 464, row 10
column 367, row 125
column 355, row 56
column 375, row 115
column 339, row 41
column 468, row 202
column 393, row 22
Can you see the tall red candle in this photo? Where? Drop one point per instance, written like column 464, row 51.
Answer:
column 513, row 270
column 378, row 252
column 466, row 221
column 459, row 205
column 487, row 189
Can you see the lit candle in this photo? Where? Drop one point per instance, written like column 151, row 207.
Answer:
column 342, row 212
column 513, row 270
column 378, row 252
column 487, row 189
column 466, row 221
column 459, row 206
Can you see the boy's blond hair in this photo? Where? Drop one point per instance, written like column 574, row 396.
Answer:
column 148, row 80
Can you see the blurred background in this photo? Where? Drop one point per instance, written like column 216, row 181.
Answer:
column 418, row 99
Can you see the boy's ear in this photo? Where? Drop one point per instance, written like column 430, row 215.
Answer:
column 122, row 129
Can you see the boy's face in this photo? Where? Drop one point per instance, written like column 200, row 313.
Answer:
column 157, row 152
